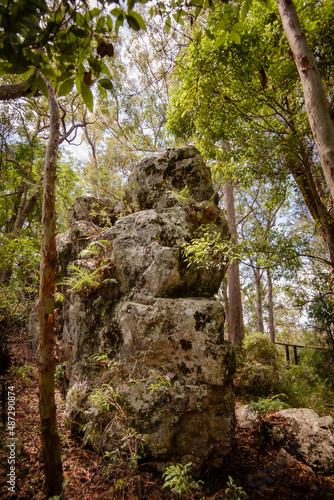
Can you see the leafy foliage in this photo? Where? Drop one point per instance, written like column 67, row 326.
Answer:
column 259, row 348
column 104, row 398
column 209, row 250
column 178, row 478
column 65, row 41
column 84, row 281
column 233, row 491
column 95, row 249
column 159, row 382
column 265, row 406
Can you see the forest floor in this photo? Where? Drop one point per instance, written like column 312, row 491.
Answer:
column 254, row 463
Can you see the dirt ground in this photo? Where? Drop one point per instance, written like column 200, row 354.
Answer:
column 254, row 463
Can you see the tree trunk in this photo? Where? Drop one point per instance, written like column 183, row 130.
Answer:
column 259, row 310
column 236, row 322
column 314, row 93
column 21, row 217
column 227, row 309
column 271, row 308
column 47, row 406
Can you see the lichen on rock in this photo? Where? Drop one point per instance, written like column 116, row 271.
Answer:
column 165, row 329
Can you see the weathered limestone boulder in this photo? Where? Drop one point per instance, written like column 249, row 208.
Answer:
column 159, row 334
column 148, row 255
column 308, row 437
column 153, row 181
column 99, row 211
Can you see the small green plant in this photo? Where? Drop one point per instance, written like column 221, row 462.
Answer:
column 178, row 478
column 101, row 303
column 84, row 280
column 59, row 297
column 104, row 398
column 233, row 491
column 60, row 371
column 209, row 250
column 160, row 382
column 133, row 444
column 184, row 196
column 101, row 214
column 120, row 483
column 96, row 249
column 104, row 361
column 264, row 406
column 21, row 371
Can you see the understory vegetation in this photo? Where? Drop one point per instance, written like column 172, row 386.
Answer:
column 268, row 382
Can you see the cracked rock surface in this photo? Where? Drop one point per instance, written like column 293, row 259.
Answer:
column 160, row 325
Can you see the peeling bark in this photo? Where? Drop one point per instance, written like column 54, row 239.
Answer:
column 47, row 406
column 315, row 98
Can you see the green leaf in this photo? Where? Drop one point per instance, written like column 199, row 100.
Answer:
column 81, row 69
column 105, row 70
column 106, row 83
column 80, row 33
column 117, row 12
column 133, row 23
column 78, row 83
column 66, row 87
column 235, row 37
column 42, row 86
column 87, row 96
column 102, row 91
column 119, row 22
column 93, row 13
column 209, row 35
column 220, row 26
column 198, row 10
column 245, row 9
column 138, row 18
column 238, row 26
column 178, row 17
column 109, row 22
column 220, row 40
column 48, row 72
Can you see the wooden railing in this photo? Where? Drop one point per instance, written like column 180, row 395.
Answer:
column 295, row 347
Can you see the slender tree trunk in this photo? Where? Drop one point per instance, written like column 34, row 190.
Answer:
column 259, row 310
column 226, row 308
column 315, row 98
column 47, row 406
column 27, row 208
column 271, row 308
column 236, row 322
column 23, row 212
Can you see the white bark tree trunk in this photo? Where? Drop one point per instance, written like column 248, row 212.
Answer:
column 236, row 322
column 315, row 98
column 259, row 309
column 271, row 308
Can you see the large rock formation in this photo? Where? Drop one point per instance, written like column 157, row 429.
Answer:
column 168, row 369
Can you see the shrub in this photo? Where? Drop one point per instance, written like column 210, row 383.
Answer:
column 265, row 406
column 257, row 367
column 258, row 347
column 179, row 480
